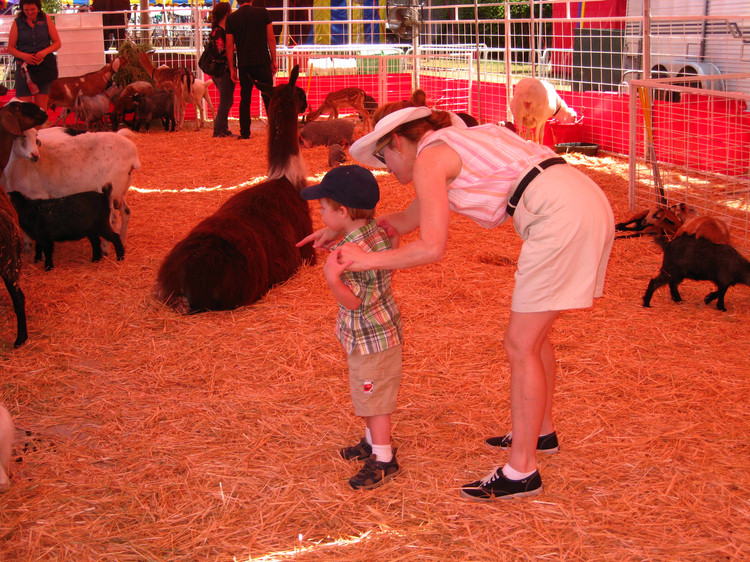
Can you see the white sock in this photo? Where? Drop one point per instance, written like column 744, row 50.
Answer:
column 383, row 453
column 512, row 474
column 368, row 436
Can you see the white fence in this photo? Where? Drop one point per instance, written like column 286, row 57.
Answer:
column 692, row 145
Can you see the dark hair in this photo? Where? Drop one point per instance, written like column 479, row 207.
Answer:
column 219, row 12
column 413, row 130
column 22, row 3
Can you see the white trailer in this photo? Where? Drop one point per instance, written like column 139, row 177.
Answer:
column 688, row 37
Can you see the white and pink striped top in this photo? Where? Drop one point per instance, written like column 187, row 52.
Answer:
column 493, row 160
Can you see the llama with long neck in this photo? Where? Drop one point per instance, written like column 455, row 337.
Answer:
column 233, row 257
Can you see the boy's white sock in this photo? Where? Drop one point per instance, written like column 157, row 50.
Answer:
column 368, row 436
column 512, row 474
column 383, row 453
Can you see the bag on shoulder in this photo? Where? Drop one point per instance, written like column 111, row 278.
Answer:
column 212, row 62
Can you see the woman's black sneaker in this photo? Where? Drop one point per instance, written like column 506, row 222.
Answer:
column 496, row 486
column 546, row 444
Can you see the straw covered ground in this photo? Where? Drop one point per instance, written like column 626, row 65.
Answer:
column 144, row 435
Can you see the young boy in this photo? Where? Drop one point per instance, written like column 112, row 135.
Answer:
column 369, row 322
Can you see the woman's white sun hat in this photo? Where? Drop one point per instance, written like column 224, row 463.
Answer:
column 362, row 150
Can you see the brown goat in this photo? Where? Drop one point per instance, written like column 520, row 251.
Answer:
column 179, row 81
column 651, row 221
column 15, row 118
column 64, row 91
column 712, row 229
column 233, row 257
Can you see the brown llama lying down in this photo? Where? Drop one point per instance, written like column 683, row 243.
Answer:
column 233, row 257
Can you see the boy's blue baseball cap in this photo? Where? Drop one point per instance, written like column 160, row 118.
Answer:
column 351, row 186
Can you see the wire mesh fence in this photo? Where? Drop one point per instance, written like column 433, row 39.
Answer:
column 469, row 57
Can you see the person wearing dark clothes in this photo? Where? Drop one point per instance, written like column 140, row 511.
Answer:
column 249, row 32
column 114, row 24
column 32, row 40
column 224, row 82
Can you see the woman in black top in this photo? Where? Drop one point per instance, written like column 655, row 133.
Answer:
column 224, row 83
column 32, row 40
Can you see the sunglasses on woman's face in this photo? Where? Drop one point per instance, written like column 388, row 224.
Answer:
column 378, row 152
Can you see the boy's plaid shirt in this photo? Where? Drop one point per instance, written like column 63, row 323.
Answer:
column 376, row 325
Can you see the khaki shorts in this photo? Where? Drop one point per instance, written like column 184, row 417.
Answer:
column 374, row 379
column 568, row 229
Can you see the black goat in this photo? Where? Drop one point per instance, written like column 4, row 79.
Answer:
column 81, row 215
column 159, row 105
column 687, row 257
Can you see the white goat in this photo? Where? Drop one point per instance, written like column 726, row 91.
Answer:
column 51, row 163
column 534, row 103
column 199, row 92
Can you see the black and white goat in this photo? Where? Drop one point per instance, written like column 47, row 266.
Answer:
column 233, row 257
column 61, row 164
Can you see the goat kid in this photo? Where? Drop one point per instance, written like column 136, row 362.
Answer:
column 91, row 109
column 699, row 259
column 179, row 81
column 233, row 257
column 82, row 215
column 196, row 96
column 124, row 102
column 534, row 103
column 159, row 105
column 651, row 221
column 63, row 91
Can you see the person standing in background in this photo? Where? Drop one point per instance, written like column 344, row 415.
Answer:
column 224, row 82
column 33, row 40
column 114, row 23
column 249, row 33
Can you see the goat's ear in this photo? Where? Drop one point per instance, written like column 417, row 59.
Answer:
column 265, row 88
column 293, row 75
column 9, row 119
column 146, row 63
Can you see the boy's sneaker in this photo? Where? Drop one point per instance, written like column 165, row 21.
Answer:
column 546, row 444
column 374, row 473
column 358, row 452
column 496, row 486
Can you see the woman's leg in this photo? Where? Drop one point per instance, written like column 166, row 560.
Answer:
column 246, row 98
column 532, row 381
column 225, row 85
